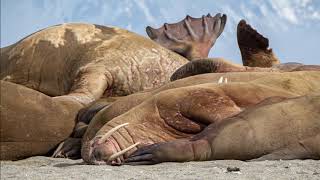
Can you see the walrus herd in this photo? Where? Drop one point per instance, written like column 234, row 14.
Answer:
column 110, row 96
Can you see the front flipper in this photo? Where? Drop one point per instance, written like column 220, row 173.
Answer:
column 191, row 37
column 254, row 47
column 70, row 148
column 90, row 84
column 181, row 150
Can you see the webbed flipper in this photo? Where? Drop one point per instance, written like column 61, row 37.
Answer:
column 191, row 37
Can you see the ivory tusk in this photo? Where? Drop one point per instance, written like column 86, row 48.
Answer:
column 109, row 133
column 225, row 80
column 116, row 155
column 220, row 80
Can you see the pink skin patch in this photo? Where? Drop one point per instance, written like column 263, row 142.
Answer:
column 101, row 151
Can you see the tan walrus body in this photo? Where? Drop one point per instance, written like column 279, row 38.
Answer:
column 85, row 61
column 72, row 64
column 273, row 130
column 185, row 111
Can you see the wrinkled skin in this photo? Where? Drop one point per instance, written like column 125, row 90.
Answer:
column 216, row 65
column 219, row 65
column 75, row 64
column 191, row 37
column 183, row 112
column 280, row 129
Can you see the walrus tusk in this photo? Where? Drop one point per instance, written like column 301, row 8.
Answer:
column 220, row 80
column 109, row 133
column 115, row 155
column 58, row 150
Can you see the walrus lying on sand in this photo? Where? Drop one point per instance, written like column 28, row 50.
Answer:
column 66, row 67
column 181, row 112
column 253, row 46
column 272, row 130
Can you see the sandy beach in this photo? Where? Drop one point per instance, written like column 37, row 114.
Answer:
column 50, row 168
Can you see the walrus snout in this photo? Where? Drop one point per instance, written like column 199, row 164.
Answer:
column 102, row 152
column 104, row 149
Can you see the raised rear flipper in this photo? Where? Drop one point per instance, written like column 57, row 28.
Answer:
column 254, row 47
column 191, row 37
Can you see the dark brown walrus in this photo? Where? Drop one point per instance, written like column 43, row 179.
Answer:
column 76, row 64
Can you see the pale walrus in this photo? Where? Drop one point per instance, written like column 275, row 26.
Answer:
column 183, row 112
column 289, row 129
column 73, row 64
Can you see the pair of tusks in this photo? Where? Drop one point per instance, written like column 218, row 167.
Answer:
column 222, row 80
column 104, row 137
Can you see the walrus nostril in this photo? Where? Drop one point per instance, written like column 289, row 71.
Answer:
column 97, row 154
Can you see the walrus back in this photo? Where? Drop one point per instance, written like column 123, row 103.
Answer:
column 50, row 60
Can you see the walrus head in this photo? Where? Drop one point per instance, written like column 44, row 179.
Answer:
column 192, row 37
column 104, row 149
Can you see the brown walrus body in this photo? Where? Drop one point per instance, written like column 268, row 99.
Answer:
column 182, row 112
column 287, row 129
column 75, row 64
column 86, row 61
column 80, row 63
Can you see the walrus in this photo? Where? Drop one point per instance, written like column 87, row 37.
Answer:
column 254, row 47
column 74, row 63
column 256, row 57
column 183, row 112
column 288, row 129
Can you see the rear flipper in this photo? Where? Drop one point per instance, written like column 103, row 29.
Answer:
column 254, row 47
column 191, row 37
column 306, row 149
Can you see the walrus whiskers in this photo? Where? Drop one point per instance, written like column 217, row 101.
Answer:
column 116, row 155
column 109, row 133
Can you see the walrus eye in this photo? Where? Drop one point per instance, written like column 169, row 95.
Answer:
column 116, row 155
column 109, row 133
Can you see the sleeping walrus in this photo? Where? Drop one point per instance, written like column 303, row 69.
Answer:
column 272, row 130
column 58, row 70
column 253, row 46
column 181, row 112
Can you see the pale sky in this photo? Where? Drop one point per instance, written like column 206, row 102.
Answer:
column 292, row 26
